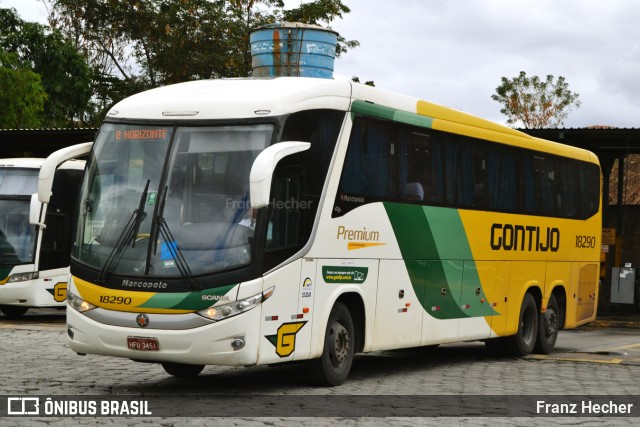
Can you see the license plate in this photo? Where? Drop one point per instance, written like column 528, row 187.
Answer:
column 143, row 344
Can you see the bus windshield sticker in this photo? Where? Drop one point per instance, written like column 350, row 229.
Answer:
column 344, row 274
column 167, row 250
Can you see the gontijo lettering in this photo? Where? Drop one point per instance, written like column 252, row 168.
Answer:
column 529, row 238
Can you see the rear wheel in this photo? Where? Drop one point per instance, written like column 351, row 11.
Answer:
column 524, row 340
column 13, row 311
column 548, row 327
column 339, row 342
column 182, row 370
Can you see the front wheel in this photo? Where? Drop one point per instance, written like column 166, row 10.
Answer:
column 548, row 327
column 13, row 311
column 337, row 356
column 182, row 370
column 524, row 340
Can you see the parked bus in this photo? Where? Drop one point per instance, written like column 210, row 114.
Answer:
column 37, row 202
column 261, row 221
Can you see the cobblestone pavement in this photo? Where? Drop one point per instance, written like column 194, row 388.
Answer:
column 36, row 361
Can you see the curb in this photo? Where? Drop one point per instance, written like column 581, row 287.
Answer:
column 603, row 323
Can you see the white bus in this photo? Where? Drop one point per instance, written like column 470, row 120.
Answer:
column 37, row 202
column 261, row 221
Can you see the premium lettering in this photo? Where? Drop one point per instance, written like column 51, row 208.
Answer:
column 361, row 235
column 526, row 238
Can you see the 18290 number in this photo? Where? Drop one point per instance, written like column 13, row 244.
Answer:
column 112, row 299
column 585, row 242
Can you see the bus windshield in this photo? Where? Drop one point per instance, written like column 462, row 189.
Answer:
column 17, row 236
column 141, row 215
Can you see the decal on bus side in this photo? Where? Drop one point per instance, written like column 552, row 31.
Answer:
column 359, row 239
column 59, row 291
column 285, row 340
column 344, row 274
column 307, row 288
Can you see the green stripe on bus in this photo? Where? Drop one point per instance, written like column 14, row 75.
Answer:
column 186, row 300
column 4, row 272
column 451, row 240
column 375, row 110
column 438, row 259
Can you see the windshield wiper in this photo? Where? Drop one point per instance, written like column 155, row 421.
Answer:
column 171, row 244
column 129, row 234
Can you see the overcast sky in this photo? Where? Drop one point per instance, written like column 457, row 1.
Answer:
column 454, row 52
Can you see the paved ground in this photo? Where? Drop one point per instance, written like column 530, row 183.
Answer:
column 592, row 361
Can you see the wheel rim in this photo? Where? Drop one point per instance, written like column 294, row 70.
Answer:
column 340, row 339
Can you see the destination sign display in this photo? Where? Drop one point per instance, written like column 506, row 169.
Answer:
column 141, row 134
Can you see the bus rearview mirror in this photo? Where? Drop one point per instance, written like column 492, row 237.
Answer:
column 34, row 210
column 263, row 167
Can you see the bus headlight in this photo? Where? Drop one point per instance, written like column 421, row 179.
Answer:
column 22, row 277
column 224, row 311
column 78, row 303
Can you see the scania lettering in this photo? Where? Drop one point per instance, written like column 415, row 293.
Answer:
column 37, row 200
column 420, row 225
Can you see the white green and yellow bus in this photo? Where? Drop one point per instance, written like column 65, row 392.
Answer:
column 37, row 202
column 261, row 221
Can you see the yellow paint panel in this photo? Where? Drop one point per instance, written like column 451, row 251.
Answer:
column 587, row 294
column 102, row 297
column 435, row 111
column 494, row 276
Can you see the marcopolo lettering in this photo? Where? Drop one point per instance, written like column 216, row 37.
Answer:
column 143, row 285
column 510, row 237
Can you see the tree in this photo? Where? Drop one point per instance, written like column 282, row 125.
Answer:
column 135, row 45
column 535, row 103
column 63, row 72
column 22, row 96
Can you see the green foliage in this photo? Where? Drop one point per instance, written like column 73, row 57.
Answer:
column 62, row 71
column 22, row 96
column 534, row 102
column 135, row 45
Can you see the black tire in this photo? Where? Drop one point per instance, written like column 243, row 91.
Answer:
column 548, row 327
column 524, row 340
column 13, row 311
column 333, row 367
column 182, row 370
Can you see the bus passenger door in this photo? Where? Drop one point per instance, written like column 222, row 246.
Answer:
column 398, row 318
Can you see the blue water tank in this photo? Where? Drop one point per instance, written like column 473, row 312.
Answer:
column 293, row 49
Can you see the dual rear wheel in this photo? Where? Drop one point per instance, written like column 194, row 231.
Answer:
column 537, row 332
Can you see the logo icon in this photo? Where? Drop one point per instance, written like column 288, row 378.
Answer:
column 23, row 406
column 285, row 339
column 142, row 320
